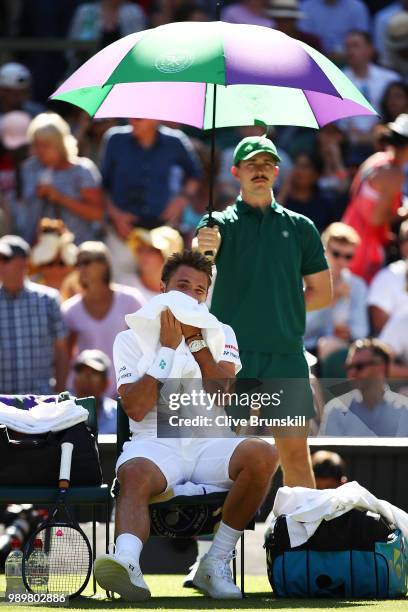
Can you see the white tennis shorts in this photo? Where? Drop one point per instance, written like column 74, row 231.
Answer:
column 201, row 462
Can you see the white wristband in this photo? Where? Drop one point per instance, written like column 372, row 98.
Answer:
column 161, row 366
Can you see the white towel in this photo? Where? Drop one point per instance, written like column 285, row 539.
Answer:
column 43, row 417
column 306, row 508
column 145, row 323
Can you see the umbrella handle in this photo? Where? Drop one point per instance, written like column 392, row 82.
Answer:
column 210, row 223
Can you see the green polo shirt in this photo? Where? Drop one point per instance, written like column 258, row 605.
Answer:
column 260, row 264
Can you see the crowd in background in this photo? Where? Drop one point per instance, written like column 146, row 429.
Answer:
column 98, row 205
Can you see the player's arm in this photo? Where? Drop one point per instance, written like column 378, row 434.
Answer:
column 141, row 396
column 318, row 290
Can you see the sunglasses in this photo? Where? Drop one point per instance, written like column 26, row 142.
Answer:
column 340, row 255
column 361, row 365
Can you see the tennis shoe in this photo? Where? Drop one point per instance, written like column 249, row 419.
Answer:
column 214, row 578
column 121, row 574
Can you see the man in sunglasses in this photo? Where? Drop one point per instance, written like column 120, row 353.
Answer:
column 334, row 327
column 371, row 408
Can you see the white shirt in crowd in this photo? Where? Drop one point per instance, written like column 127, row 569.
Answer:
column 372, row 87
column 395, row 334
column 388, row 289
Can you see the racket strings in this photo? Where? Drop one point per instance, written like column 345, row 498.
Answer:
column 67, row 561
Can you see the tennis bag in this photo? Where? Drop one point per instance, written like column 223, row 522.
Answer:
column 354, row 555
column 34, row 459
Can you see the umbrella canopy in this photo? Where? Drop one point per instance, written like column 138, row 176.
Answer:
column 168, row 73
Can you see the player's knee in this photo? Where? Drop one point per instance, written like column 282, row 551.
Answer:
column 262, row 459
column 134, row 478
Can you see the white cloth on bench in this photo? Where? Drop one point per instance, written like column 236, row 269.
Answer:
column 43, row 417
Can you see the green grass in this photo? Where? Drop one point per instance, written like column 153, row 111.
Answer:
column 168, row 594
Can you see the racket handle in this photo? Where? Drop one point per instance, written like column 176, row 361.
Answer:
column 65, row 466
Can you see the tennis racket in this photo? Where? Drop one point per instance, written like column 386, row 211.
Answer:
column 57, row 558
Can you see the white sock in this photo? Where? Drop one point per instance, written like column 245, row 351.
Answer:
column 130, row 545
column 224, row 541
column 203, row 548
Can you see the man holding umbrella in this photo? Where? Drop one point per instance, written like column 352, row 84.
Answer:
column 271, row 267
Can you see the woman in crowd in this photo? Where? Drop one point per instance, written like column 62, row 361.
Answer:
column 394, row 101
column 376, row 198
column 151, row 249
column 58, row 184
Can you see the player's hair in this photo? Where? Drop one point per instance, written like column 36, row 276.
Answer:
column 378, row 348
column 192, row 259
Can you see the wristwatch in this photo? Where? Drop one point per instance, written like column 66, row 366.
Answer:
column 197, row 345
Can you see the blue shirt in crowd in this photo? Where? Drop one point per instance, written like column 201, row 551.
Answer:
column 142, row 180
column 30, row 323
column 331, row 22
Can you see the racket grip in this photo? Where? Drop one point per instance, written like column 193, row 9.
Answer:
column 66, row 457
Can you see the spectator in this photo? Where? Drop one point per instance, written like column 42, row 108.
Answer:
column 13, row 151
column 151, row 249
column 331, row 20
column 104, row 21
column 90, row 133
column 329, row 470
column 58, row 184
column 332, row 328
column 376, row 195
column 381, row 20
column 91, row 378
column 388, row 293
column 95, row 316
column 334, row 181
column 395, row 335
column 54, row 255
column 285, row 14
column 370, row 79
column 150, row 173
column 301, row 192
column 42, row 19
column 33, row 349
column 191, row 11
column 371, row 409
column 396, row 42
column 15, row 89
column 394, row 101
column 251, row 12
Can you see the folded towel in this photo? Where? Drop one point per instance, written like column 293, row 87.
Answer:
column 306, row 508
column 43, row 417
column 145, row 322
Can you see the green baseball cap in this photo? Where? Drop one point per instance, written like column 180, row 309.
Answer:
column 252, row 145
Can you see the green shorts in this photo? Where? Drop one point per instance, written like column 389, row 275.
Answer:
column 282, row 377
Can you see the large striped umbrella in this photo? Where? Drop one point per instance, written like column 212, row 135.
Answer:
column 212, row 75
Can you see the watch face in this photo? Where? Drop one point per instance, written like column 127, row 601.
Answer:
column 196, row 345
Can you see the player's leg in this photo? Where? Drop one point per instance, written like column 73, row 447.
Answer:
column 245, row 467
column 144, row 469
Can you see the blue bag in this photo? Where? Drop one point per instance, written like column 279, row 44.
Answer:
column 356, row 555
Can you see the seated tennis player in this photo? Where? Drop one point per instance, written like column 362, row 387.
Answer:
column 150, row 465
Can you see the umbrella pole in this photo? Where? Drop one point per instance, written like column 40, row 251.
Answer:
column 210, row 222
